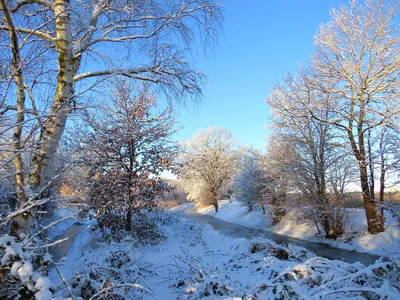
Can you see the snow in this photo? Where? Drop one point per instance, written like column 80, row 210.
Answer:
column 356, row 237
column 43, row 285
column 14, row 269
column 195, row 261
column 43, row 295
column 25, row 272
column 236, row 212
column 18, row 259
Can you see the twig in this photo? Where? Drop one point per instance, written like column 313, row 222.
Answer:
column 133, row 285
column 63, row 280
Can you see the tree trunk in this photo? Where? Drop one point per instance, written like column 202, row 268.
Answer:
column 249, row 206
column 375, row 224
column 326, row 224
column 128, row 225
column 214, row 199
column 55, row 123
column 382, row 194
column 383, row 175
column 23, row 222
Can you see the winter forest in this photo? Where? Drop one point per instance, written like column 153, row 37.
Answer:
column 102, row 197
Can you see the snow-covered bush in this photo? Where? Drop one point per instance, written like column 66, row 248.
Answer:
column 301, row 275
column 144, row 228
column 248, row 183
column 116, row 275
column 394, row 208
column 23, row 271
column 196, row 281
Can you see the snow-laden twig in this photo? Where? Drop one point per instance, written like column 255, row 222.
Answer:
column 64, row 282
column 350, row 278
column 132, row 285
column 49, row 245
column 51, row 225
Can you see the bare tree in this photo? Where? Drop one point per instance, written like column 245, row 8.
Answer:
column 84, row 41
column 210, row 160
column 358, row 61
column 129, row 147
column 278, row 172
column 318, row 147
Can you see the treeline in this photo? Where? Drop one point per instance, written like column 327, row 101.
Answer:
column 335, row 123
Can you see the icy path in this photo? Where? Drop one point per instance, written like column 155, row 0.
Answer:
column 241, row 231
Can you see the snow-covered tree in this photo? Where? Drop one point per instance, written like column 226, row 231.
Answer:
column 53, row 53
column 248, row 183
column 129, row 147
column 318, row 148
column 81, row 42
column 210, row 161
column 278, row 175
column 357, row 61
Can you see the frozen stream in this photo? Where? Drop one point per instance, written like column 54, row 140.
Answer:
column 60, row 250
column 241, row 231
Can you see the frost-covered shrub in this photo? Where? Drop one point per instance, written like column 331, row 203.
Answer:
column 19, row 276
column 118, row 275
column 144, row 228
column 278, row 252
column 325, row 279
column 394, row 209
column 113, row 224
column 197, row 281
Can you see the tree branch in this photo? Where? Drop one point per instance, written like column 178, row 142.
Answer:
column 32, row 31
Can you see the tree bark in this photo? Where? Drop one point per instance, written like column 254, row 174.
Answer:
column 23, row 222
column 375, row 224
column 214, row 199
column 128, row 226
column 54, row 126
column 382, row 176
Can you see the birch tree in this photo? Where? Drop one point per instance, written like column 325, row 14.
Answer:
column 18, row 78
column 357, row 60
column 210, row 160
column 85, row 41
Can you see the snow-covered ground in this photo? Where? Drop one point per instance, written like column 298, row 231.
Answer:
column 356, row 238
column 195, row 261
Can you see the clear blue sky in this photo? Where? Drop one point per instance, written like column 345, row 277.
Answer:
column 261, row 41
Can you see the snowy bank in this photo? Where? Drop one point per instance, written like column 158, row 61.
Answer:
column 356, row 237
column 194, row 261
column 235, row 212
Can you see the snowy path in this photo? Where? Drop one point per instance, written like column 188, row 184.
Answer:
column 241, row 231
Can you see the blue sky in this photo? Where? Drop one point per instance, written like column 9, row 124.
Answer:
column 261, row 41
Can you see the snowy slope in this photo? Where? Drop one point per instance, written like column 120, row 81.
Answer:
column 235, row 212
